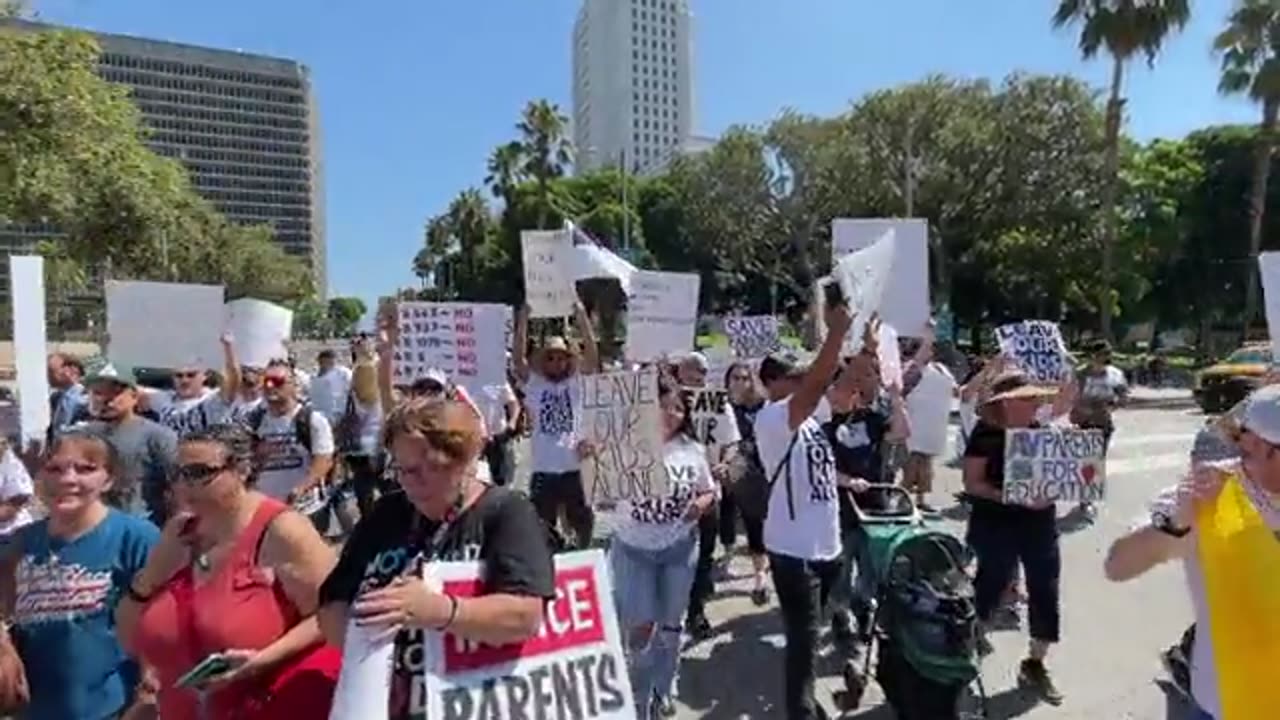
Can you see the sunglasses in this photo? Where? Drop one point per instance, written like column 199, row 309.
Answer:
column 275, row 381
column 426, row 387
column 186, row 375
column 198, row 473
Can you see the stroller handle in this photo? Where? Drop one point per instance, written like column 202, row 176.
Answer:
column 892, row 504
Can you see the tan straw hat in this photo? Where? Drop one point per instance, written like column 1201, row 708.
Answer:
column 1014, row 385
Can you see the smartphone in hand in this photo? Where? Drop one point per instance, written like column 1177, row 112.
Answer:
column 206, row 670
column 832, row 295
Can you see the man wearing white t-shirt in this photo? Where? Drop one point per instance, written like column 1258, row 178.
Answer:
column 802, row 528
column 551, row 397
column 293, row 443
column 329, row 387
column 1169, row 532
column 190, row 406
column 930, row 393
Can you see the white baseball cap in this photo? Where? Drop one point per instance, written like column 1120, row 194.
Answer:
column 1261, row 414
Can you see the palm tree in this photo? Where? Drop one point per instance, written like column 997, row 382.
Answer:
column 437, row 244
column 505, row 170
column 1124, row 28
column 547, row 150
column 468, row 217
column 1251, row 64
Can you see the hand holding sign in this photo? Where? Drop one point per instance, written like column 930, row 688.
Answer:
column 838, row 319
column 406, row 603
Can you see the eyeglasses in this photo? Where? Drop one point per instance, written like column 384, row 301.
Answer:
column 198, row 473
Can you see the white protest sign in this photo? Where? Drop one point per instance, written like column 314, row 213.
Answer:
column 906, row 294
column 364, row 683
column 752, row 336
column 165, row 325
column 466, row 341
column 862, row 276
column 662, row 314
column 548, row 289
column 1269, row 267
column 707, row 408
column 588, row 262
column 1037, row 347
column 260, row 329
column 26, row 287
column 1054, row 464
column 890, row 357
column 575, row 667
column 620, row 417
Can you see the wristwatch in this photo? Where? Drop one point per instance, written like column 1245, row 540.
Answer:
column 1163, row 522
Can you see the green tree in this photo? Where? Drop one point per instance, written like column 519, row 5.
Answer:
column 505, row 170
column 546, row 150
column 345, row 314
column 311, row 319
column 1124, row 28
column 1250, row 49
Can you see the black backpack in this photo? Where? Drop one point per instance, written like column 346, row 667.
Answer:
column 301, row 423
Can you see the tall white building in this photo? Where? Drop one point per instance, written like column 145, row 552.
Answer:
column 632, row 82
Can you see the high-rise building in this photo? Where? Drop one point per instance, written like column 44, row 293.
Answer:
column 245, row 126
column 632, row 82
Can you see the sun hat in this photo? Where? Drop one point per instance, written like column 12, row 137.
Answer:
column 1014, row 385
column 556, row 344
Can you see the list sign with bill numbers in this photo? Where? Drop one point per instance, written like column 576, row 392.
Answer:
column 466, row 341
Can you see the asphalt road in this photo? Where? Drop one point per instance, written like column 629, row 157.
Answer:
column 1107, row 665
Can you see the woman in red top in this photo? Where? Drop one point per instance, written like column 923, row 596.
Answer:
column 235, row 573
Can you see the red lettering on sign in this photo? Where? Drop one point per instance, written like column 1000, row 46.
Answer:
column 466, row 342
column 572, row 619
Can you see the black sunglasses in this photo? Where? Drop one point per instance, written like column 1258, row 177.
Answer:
column 198, row 473
column 426, row 387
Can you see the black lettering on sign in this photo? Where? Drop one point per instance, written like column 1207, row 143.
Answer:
column 577, row 689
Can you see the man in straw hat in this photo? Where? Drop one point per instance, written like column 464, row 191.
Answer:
column 551, row 395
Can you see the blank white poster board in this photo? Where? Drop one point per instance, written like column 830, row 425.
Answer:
column 906, row 295
column 260, row 330
column 1269, row 267
column 26, row 283
column 165, row 325
column 662, row 314
column 548, row 288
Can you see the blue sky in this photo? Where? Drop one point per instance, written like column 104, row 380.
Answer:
column 414, row 94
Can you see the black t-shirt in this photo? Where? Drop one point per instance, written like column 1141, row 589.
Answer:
column 987, row 442
column 501, row 531
column 857, row 440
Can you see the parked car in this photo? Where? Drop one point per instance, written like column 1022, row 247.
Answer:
column 1218, row 387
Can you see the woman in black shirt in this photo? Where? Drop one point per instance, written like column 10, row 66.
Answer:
column 444, row 513
column 748, row 493
column 1002, row 535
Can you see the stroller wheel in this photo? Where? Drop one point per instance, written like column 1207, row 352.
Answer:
column 855, row 685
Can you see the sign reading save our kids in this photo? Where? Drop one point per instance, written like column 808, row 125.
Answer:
column 573, row 668
column 1044, row 465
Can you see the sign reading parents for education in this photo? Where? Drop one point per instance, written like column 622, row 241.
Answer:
column 1037, row 347
column 1054, row 465
column 752, row 336
column 621, row 419
column 574, row 667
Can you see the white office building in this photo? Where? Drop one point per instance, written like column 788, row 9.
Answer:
column 632, row 82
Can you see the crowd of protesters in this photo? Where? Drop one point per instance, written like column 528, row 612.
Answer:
column 165, row 527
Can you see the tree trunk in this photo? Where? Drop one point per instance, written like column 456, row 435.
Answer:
column 1115, row 115
column 1258, row 209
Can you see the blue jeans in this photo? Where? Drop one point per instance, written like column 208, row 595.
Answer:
column 651, row 588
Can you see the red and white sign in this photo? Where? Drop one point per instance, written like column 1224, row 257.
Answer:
column 574, row 667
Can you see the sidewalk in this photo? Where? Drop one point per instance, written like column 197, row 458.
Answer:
column 1140, row 397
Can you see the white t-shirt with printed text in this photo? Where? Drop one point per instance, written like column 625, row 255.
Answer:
column 327, row 393
column 552, row 408
column 281, row 459
column 188, row 415
column 657, row 523
column 803, row 519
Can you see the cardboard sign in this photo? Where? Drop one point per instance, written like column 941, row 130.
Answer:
column 1054, row 465
column 906, row 293
column 706, row 407
column 752, row 336
column 26, row 288
column 620, row 417
column 662, row 314
column 547, row 289
column 260, row 329
column 1037, row 347
column 164, row 325
column 575, row 667
column 467, row 341
column 1269, row 266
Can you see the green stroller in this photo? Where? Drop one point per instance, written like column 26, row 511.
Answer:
column 924, row 627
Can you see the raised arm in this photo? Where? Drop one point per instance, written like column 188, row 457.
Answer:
column 590, row 350
column 520, row 353
column 388, row 335
column 814, row 384
column 230, row 370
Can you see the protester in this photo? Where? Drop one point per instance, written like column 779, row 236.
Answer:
column 749, row 486
column 1003, row 535
column 248, row 395
column 719, row 435
column 865, row 419
column 191, row 406
column 929, row 397
column 1100, row 389
column 1171, row 530
column 68, row 401
column 330, row 387
column 443, row 514
column 293, row 449
column 237, row 574
column 60, row 581
column 146, row 449
column 802, row 528
column 551, row 394
column 653, row 555
column 504, row 428
column 357, row 434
